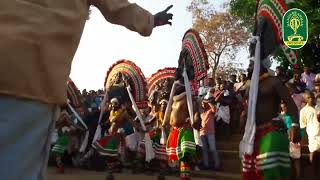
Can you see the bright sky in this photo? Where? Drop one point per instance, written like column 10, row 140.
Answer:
column 102, row 44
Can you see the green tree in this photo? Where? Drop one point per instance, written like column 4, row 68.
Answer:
column 310, row 54
column 221, row 33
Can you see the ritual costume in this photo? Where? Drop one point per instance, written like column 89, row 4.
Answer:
column 122, row 77
column 270, row 158
column 159, row 85
column 62, row 144
column 181, row 146
column 113, row 144
column 158, row 137
column 184, row 110
column 264, row 148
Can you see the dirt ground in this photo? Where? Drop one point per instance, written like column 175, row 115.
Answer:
column 78, row 174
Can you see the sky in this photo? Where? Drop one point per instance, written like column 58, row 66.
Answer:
column 102, row 44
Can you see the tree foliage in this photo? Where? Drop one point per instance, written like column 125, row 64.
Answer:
column 244, row 10
column 222, row 34
column 225, row 69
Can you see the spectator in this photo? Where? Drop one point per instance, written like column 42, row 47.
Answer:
column 240, row 88
column 84, row 92
column 223, row 113
column 98, row 100
column 281, row 74
column 317, row 86
column 296, row 81
column 309, row 120
column 233, row 106
column 294, row 148
column 207, row 132
column 233, row 79
column 218, row 82
column 296, row 95
column 308, row 78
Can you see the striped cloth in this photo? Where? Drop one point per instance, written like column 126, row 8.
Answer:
column 159, row 149
column 180, row 143
column 61, row 145
column 270, row 160
column 108, row 146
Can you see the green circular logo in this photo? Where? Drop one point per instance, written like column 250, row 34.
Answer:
column 295, row 28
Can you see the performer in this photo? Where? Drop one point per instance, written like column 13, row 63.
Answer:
column 183, row 109
column 271, row 142
column 157, row 131
column 61, row 145
column 181, row 145
column 116, row 146
column 265, row 146
column 65, row 142
column 112, row 145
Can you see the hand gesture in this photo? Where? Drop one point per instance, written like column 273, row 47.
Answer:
column 162, row 18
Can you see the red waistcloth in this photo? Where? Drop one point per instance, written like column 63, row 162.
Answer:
column 173, row 144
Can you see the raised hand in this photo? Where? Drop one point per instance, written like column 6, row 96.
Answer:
column 163, row 17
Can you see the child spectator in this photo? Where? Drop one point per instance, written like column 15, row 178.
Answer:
column 294, row 148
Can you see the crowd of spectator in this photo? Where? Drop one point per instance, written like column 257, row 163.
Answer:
column 223, row 110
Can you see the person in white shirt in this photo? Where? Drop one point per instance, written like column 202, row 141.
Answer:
column 309, row 120
column 308, row 78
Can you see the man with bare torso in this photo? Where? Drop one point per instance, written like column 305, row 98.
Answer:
column 181, row 144
column 179, row 116
column 270, row 158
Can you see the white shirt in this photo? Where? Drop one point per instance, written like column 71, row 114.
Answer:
column 308, row 120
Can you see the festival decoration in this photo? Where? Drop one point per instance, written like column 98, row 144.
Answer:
column 194, row 45
column 274, row 11
column 74, row 94
column 160, row 75
column 133, row 76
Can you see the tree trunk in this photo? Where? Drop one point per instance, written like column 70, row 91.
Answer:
column 217, row 60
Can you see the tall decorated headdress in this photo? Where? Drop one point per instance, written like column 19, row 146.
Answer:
column 193, row 44
column 159, row 76
column 163, row 79
column 132, row 75
column 274, row 10
column 74, row 94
